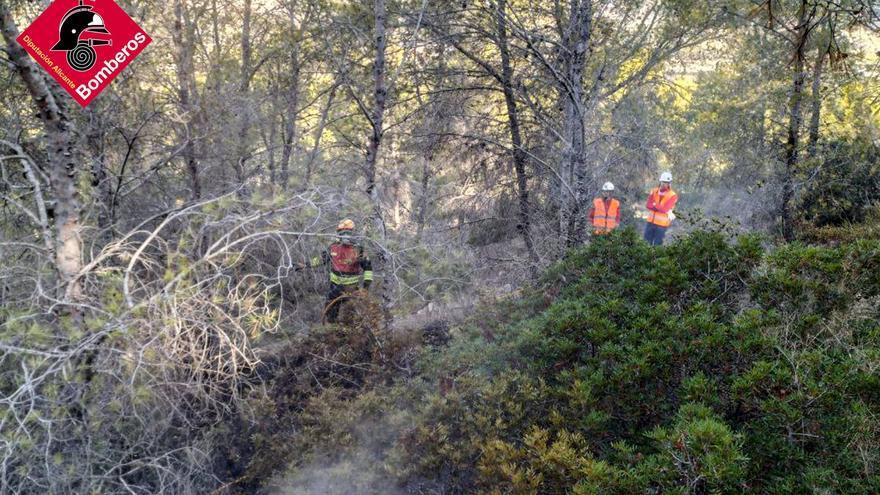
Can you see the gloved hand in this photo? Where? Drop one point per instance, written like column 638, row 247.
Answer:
column 671, row 215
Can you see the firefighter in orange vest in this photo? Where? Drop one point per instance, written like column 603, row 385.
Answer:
column 605, row 214
column 660, row 204
column 348, row 264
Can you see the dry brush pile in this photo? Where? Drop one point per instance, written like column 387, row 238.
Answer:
column 123, row 388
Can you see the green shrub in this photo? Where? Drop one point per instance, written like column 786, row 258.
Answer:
column 700, row 453
column 705, row 366
column 844, row 185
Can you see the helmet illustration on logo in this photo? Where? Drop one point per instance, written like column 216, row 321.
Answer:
column 78, row 20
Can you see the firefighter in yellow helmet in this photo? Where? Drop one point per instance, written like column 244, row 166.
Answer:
column 348, row 264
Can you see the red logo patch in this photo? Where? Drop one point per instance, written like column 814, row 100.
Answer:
column 84, row 44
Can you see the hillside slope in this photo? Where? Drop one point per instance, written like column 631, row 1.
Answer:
column 703, row 366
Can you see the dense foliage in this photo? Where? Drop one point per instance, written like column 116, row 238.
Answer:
column 702, row 367
column 846, row 184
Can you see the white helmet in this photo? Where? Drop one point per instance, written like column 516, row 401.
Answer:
column 608, row 186
column 666, row 177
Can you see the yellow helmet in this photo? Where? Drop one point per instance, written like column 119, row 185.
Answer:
column 345, row 224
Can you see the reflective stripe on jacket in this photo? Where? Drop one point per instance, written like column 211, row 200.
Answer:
column 344, row 279
column 605, row 220
column 659, row 205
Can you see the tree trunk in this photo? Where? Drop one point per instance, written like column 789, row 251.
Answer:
column 577, row 43
column 380, row 94
column 566, row 170
column 816, row 96
column 396, row 191
column 271, row 138
column 64, row 155
column 319, row 133
column 794, row 125
column 424, row 197
column 289, row 131
column 378, row 114
column 519, row 154
column 242, row 146
column 100, row 180
column 185, row 94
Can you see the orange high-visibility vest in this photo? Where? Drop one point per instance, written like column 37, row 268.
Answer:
column 605, row 221
column 656, row 217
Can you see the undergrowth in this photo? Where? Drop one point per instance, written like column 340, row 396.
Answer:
column 705, row 366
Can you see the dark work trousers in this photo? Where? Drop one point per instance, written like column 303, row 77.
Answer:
column 654, row 234
column 333, row 312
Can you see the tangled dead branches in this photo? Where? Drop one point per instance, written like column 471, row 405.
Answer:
column 123, row 394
